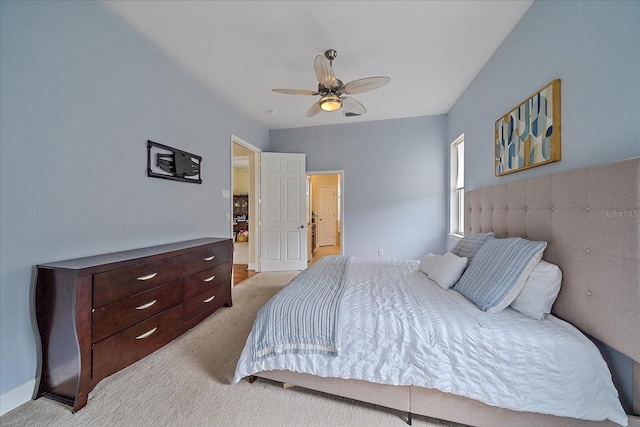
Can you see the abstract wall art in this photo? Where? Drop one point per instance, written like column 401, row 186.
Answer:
column 529, row 135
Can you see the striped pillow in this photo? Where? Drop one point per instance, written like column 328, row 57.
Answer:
column 498, row 272
column 467, row 246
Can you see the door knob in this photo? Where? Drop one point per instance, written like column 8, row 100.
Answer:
column 302, row 226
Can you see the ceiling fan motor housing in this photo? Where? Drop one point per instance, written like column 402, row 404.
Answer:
column 336, row 89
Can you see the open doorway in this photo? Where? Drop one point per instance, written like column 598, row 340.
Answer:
column 270, row 220
column 244, row 209
column 325, row 222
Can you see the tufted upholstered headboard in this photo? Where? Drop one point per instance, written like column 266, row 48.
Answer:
column 590, row 219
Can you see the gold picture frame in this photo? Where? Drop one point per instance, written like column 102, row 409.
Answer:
column 529, row 135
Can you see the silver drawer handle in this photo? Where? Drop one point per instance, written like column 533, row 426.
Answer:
column 148, row 276
column 147, row 305
column 210, row 278
column 209, row 299
column 210, row 258
column 146, row 334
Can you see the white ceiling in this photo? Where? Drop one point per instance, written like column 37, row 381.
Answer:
column 431, row 50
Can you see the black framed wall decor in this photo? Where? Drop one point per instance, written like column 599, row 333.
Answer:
column 171, row 163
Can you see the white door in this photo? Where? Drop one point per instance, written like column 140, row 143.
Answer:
column 283, row 233
column 327, row 208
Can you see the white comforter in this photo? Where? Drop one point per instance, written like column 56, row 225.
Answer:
column 400, row 328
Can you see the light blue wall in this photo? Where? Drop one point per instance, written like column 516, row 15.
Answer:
column 81, row 94
column 395, row 180
column 594, row 48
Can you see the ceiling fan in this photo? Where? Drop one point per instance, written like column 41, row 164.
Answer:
column 332, row 90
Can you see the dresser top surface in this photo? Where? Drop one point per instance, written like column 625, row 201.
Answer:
column 110, row 258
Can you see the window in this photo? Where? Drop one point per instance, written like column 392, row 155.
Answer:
column 456, row 198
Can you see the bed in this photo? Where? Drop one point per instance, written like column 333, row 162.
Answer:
column 588, row 221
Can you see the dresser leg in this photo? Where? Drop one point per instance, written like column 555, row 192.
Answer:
column 81, row 402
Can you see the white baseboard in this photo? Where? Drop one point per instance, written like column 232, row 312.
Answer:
column 16, row 397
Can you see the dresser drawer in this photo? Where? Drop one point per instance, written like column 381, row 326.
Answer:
column 113, row 285
column 207, row 258
column 200, row 282
column 119, row 315
column 209, row 300
column 122, row 349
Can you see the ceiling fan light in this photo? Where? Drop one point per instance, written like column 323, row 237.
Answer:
column 330, row 103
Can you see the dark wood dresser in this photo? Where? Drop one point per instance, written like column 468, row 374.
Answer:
column 99, row 314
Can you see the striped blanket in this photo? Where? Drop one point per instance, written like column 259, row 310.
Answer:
column 305, row 316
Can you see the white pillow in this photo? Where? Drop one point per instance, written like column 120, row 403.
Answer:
column 428, row 262
column 539, row 292
column 448, row 270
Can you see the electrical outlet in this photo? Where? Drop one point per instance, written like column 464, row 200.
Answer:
column 227, row 217
column 380, row 252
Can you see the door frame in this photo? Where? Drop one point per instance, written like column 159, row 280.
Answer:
column 254, row 200
column 341, row 199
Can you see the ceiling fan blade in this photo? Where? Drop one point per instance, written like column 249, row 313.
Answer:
column 315, row 109
column 350, row 105
column 324, row 72
column 365, row 85
column 296, row 91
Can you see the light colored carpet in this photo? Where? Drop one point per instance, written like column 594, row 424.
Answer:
column 189, row 383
